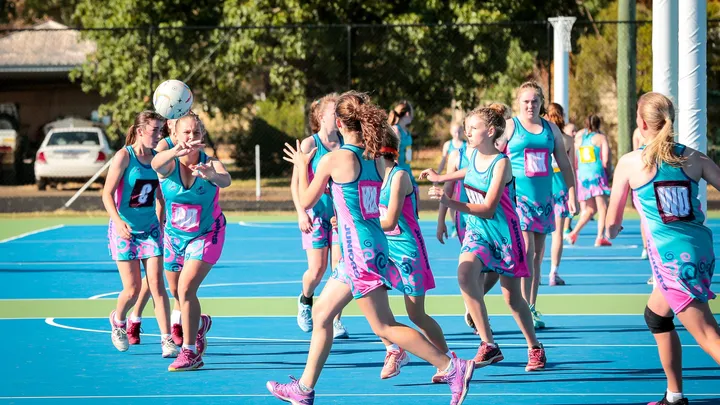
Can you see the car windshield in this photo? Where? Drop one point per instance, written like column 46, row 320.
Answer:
column 74, row 138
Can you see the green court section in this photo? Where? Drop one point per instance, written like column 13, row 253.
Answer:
column 584, row 304
column 11, row 225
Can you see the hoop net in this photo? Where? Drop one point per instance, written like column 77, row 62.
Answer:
column 563, row 27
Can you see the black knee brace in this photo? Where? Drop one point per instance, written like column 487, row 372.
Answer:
column 657, row 323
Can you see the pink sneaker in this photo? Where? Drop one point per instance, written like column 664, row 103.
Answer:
column 394, row 360
column 459, row 379
column 291, row 392
column 177, row 334
column 201, row 341
column 536, row 359
column 133, row 331
column 487, row 355
column 186, row 361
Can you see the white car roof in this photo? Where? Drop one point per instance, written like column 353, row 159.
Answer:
column 76, row 129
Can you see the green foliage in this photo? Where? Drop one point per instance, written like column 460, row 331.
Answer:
column 519, row 69
column 286, row 117
column 229, row 69
column 593, row 63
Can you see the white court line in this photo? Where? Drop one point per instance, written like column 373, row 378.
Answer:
column 289, row 261
column 565, row 275
column 94, row 297
column 35, row 232
column 261, row 238
column 41, row 318
column 362, row 394
column 51, row 322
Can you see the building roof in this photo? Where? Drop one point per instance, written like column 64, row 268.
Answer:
column 46, row 47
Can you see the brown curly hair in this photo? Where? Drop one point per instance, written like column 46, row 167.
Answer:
column 492, row 117
column 361, row 116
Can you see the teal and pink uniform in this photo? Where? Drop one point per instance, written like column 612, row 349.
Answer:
column 680, row 247
column 135, row 203
column 530, row 157
column 459, row 194
column 405, row 154
column 364, row 263
column 591, row 176
column 406, row 244
column 497, row 242
column 194, row 222
column 322, row 234
column 560, row 191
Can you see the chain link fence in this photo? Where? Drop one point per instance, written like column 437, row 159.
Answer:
column 254, row 84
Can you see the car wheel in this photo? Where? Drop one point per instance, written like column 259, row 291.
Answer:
column 42, row 184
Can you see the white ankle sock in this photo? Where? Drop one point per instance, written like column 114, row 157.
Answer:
column 304, row 387
column 119, row 322
column 673, row 396
column 392, row 348
column 450, row 367
column 175, row 318
column 135, row 319
column 190, row 347
column 164, row 336
column 553, row 269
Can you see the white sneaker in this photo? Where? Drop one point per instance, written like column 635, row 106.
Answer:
column 168, row 348
column 304, row 316
column 339, row 331
column 118, row 335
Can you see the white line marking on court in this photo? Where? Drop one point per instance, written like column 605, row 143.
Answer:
column 105, row 241
column 289, row 261
column 51, row 322
column 35, row 232
column 362, row 394
column 253, row 283
column 94, row 297
column 35, row 318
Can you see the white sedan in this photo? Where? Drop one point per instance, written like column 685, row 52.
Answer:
column 71, row 154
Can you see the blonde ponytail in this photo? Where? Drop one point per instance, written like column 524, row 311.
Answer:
column 658, row 113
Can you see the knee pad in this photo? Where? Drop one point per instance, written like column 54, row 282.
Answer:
column 658, row 324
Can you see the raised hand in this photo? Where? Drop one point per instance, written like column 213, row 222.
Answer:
column 295, row 155
column 203, row 170
column 429, row 174
column 186, row 148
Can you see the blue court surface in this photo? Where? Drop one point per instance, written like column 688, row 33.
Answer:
column 598, row 352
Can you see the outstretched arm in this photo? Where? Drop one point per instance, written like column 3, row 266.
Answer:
column 618, row 199
column 486, row 209
column 309, row 193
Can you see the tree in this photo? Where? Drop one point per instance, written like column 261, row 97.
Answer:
column 428, row 60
